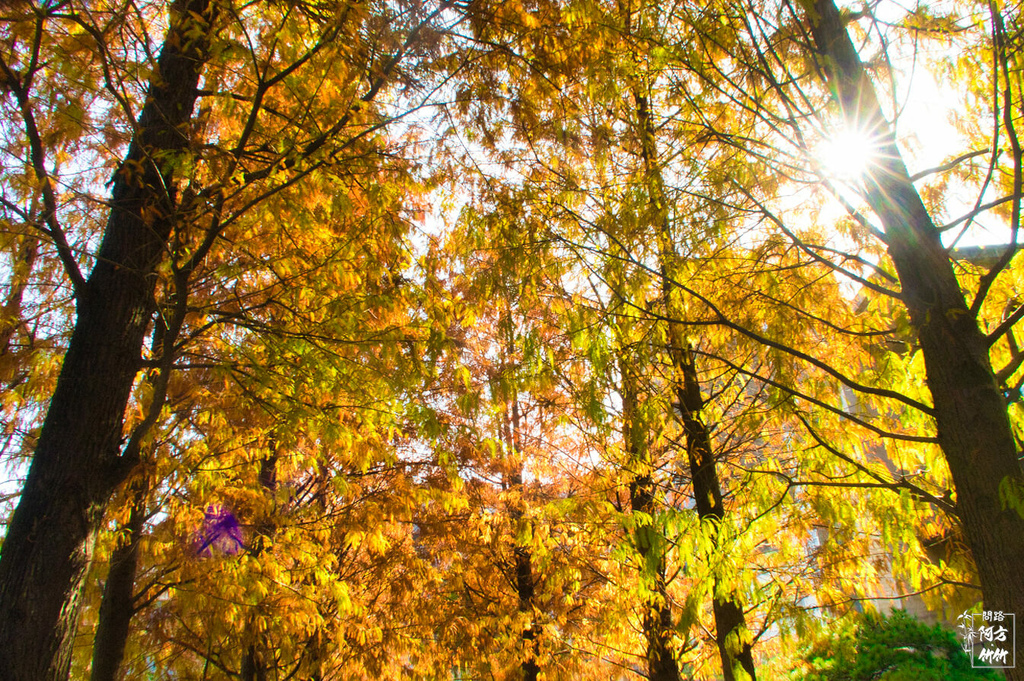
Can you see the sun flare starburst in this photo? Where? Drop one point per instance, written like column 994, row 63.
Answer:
column 847, row 154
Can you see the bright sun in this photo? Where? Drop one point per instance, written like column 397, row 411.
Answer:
column 847, row 154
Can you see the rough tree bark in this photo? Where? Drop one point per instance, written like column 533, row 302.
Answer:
column 77, row 461
column 970, row 413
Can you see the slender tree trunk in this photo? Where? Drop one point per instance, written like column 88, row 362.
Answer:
column 525, row 583
column 731, row 634
column 657, row 616
column 253, row 668
column 76, row 464
column 525, row 590
column 657, row 622
column 970, row 412
column 117, row 607
column 650, row 545
column 252, row 665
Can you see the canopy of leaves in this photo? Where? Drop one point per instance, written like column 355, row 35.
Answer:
column 417, row 330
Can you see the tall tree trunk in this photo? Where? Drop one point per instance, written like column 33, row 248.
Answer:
column 731, row 634
column 970, row 412
column 117, row 606
column 657, row 622
column 650, row 545
column 76, row 463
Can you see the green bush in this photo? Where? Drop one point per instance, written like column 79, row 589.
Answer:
column 893, row 648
